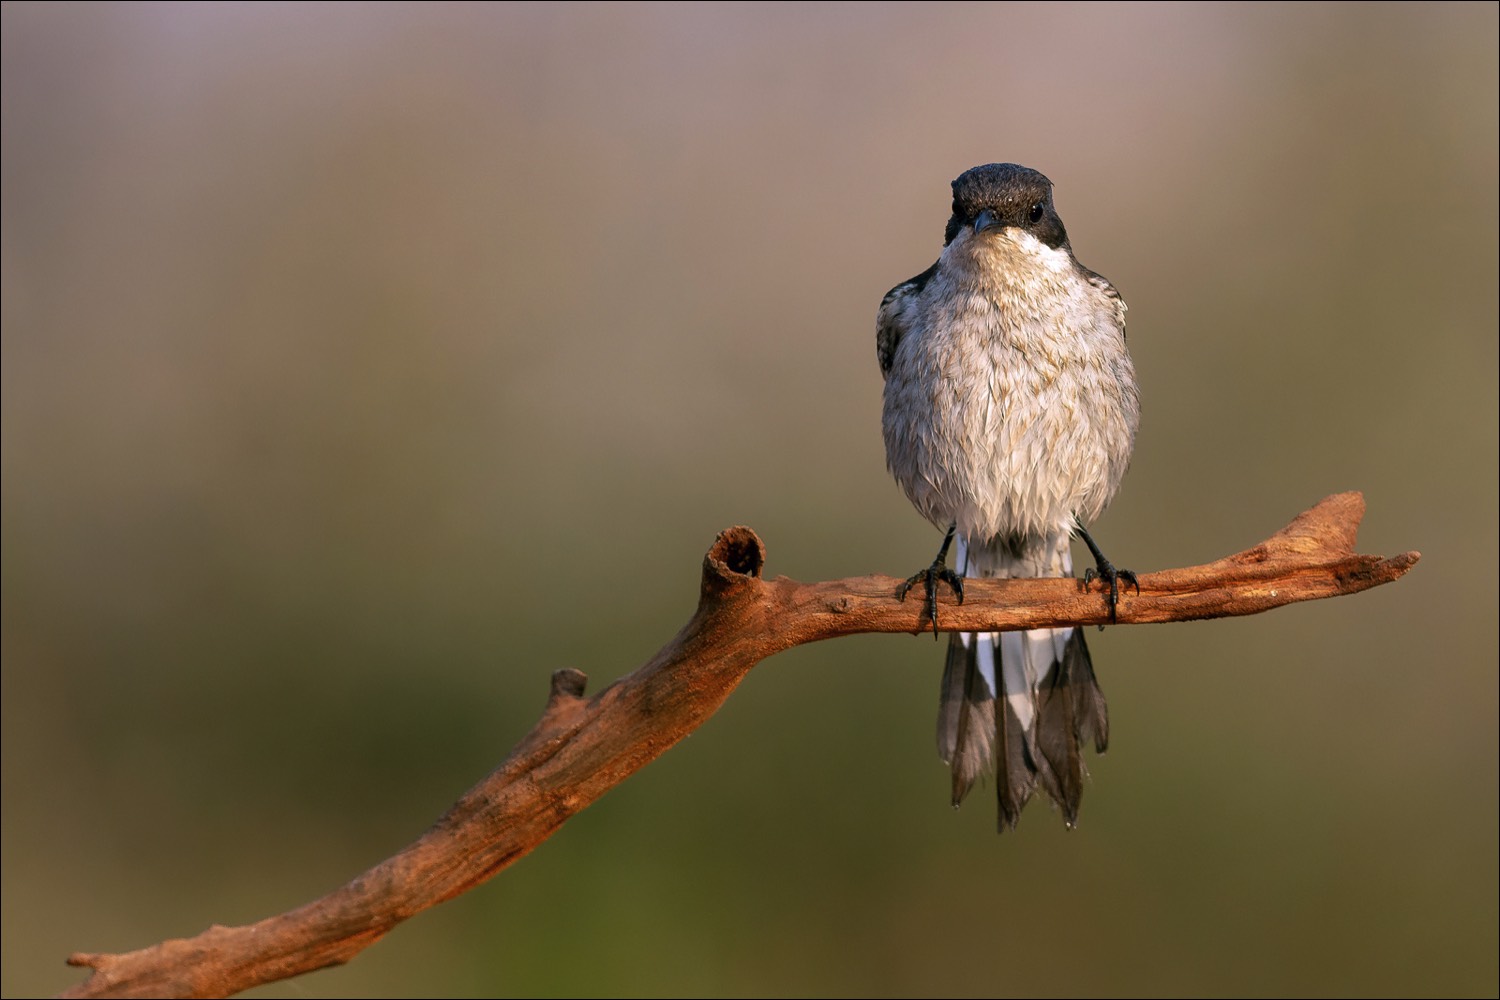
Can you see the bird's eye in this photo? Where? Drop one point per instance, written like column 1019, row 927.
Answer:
column 1037, row 211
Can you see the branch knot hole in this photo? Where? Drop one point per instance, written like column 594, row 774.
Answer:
column 568, row 683
column 739, row 551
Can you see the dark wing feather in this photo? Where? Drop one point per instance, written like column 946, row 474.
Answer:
column 891, row 320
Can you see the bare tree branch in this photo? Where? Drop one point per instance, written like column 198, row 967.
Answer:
column 582, row 747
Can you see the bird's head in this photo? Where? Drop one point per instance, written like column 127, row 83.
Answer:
column 999, row 196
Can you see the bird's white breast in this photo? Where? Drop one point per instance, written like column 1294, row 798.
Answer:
column 1011, row 405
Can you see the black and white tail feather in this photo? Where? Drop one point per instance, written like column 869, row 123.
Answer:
column 1020, row 705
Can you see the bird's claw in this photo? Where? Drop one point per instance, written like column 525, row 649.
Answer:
column 1113, row 576
column 931, row 577
column 1105, row 570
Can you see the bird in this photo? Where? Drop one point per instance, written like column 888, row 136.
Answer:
column 1010, row 412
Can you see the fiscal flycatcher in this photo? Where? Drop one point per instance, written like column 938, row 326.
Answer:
column 1010, row 413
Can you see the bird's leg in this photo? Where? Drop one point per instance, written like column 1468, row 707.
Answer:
column 1105, row 570
column 930, row 577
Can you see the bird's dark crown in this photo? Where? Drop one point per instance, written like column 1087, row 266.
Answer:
column 1015, row 195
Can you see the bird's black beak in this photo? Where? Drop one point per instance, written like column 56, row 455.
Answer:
column 986, row 220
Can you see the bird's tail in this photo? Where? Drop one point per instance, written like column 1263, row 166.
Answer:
column 1020, row 704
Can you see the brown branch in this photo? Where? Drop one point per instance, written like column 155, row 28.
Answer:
column 582, row 747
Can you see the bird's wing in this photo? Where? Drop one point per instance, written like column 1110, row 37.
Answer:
column 1102, row 283
column 891, row 321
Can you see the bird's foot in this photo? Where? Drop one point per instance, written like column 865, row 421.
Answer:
column 1106, row 571
column 1111, row 576
column 930, row 577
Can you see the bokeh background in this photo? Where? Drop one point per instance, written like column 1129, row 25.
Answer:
column 365, row 364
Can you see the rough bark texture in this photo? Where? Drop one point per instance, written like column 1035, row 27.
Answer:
column 582, row 747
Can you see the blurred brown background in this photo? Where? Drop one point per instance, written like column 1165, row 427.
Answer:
column 364, row 364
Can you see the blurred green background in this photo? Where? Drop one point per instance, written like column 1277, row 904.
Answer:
column 365, row 364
